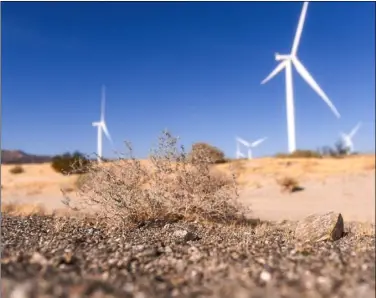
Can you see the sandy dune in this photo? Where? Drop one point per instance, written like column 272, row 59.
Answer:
column 344, row 185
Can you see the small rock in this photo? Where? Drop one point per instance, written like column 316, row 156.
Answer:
column 308, row 280
column 24, row 290
column 319, row 227
column 196, row 276
column 265, row 276
column 68, row 257
column 364, row 290
column 184, row 236
column 138, row 248
column 168, row 250
column 37, row 258
column 324, row 284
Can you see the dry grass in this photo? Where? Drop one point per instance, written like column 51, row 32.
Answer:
column 249, row 172
column 22, row 209
column 17, row 170
column 369, row 164
column 299, row 154
column 168, row 187
column 27, row 209
column 37, row 179
column 289, row 184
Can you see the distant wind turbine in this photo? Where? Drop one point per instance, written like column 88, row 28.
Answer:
column 250, row 145
column 347, row 138
column 238, row 153
column 287, row 61
column 101, row 125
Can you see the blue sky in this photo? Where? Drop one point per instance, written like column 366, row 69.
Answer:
column 194, row 68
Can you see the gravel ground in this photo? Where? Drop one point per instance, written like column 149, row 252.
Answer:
column 45, row 256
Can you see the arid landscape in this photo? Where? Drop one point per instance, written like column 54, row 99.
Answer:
column 266, row 191
column 70, row 254
column 345, row 185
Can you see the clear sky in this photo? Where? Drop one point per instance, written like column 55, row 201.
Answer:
column 194, row 68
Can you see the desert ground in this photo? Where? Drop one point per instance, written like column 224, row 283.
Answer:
column 70, row 255
column 343, row 185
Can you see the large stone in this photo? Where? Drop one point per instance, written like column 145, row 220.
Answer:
column 319, row 227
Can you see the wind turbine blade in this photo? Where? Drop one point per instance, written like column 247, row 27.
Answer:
column 244, row 142
column 103, row 102
column 354, row 130
column 276, row 70
column 309, row 79
column 105, row 130
column 258, row 142
column 239, row 154
column 299, row 29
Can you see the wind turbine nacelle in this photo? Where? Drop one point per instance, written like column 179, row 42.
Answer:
column 279, row 57
column 96, row 123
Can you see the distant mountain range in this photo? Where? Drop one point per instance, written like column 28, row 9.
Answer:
column 20, row 157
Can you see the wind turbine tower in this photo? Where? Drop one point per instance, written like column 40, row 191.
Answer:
column 238, row 153
column 287, row 62
column 347, row 138
column 101, row 126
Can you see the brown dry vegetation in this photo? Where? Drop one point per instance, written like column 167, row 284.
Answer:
column 17, row 170
column 288, row 184
column 168, row 187
column 42, row 178
column 40, row 181
column 254, row 171
column 22, row 209
column 179, row 235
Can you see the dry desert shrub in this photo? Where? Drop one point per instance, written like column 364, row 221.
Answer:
column 212, row 154
column 289, row 184
column 17, row 170
column 239, row 165
column 300, row 154
column 166, row 187
column 27, row 209
column 22, row 209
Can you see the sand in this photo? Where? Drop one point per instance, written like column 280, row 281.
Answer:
column 351, row 194
column 342, row 185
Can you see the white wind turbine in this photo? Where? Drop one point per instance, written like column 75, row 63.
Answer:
column 101, row 125
column 287, row 61
column 347, row 138
column 238, row 153
column 250, row 145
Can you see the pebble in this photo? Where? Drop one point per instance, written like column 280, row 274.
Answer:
column 265, row 276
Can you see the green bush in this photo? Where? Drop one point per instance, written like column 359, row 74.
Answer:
column 67, row 163
column 17, row 170
column 211, row 154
